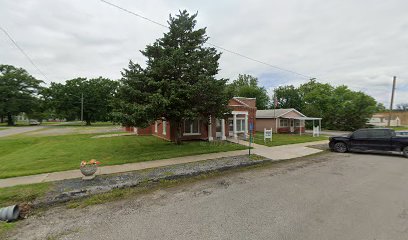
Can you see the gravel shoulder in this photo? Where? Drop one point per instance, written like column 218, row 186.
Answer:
column 327, row 196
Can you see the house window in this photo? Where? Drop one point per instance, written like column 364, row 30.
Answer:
column 297, row 123
column 192, row 127
column 240, row 125
column 164, row 127
column 283, row 122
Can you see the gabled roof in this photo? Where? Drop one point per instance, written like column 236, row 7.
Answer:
column 275, row 113
column 243, row 101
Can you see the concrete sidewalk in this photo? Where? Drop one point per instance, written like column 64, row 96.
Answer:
column 282, row 152
column 273, row 153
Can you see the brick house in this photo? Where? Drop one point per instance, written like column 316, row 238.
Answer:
column 243, row 113
column 283, row 120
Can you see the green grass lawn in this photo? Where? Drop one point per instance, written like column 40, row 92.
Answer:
column 25, row 155
column 284, row 139
column 3, row 128
column 400, row 128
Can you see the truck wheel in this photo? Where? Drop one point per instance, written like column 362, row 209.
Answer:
column 405, row 151
column 340, row 147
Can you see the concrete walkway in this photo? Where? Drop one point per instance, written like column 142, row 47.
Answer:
column 274, row 153
column 282, row 152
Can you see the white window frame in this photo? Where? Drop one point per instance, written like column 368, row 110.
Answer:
column 242, row 120
column 285, row 120
column 164, row 127
column 192, row 133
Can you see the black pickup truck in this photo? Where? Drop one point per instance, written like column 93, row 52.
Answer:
column 371, row 139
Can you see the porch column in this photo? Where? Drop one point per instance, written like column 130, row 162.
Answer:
column 276, row 125
column 246, row 126
column 223, row 137
column 300, row 127
column 210, row 137
column 320, row 127
column 234, row 124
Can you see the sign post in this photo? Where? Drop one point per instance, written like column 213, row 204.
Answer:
column 267, row 134
column 251, row 128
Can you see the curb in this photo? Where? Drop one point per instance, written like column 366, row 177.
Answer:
column 83, row 193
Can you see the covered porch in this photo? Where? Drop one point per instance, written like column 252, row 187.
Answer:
column 297, row 124
column 233, row 125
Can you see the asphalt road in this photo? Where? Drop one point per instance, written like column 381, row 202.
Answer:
column 329, row 196
column 17, row 130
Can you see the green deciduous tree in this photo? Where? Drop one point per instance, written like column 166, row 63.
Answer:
column 178, row 82
column 98, row 94
column 340, row 107
column 288, row 97
column 381, row 107
column 18, row 92
column 247, row 86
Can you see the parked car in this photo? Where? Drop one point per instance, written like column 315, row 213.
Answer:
column 34, row 122
column 401, row 133
column 376, row 139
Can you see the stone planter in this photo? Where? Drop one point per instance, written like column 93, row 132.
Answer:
column 89, row 171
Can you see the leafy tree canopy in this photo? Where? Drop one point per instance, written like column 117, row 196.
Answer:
column 98, row 94
column 18, row 92
column 247, row 86
column 340, row 107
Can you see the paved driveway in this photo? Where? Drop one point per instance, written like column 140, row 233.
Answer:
column 329, row 196
column 17, row 130
column 331, row 133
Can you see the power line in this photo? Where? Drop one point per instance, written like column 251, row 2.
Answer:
column 211, row 44
column 23, row 52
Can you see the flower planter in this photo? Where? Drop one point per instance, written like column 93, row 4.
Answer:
column 89, row 171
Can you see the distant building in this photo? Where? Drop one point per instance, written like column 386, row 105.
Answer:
column 287, row 120
column 381, row 120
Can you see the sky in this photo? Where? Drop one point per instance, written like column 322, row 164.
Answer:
column 359, row 43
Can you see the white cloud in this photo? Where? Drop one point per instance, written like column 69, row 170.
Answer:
column 358, row 43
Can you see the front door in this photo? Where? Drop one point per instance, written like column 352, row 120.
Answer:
column 380, row 139
column 360, row 140
column 218, row 128
column 292, row 125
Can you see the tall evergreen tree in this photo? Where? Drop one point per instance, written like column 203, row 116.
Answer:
column 178, row 82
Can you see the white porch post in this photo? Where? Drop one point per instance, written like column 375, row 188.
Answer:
column 276, row 125
column 234, row 124
column 246, row 127
column 300, row 127
column 210, row 137
column 320, row 125
column 223, row 137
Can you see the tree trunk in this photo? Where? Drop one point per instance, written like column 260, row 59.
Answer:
column 1, row 119
column 10, row 121
column 175, row 128
column 88, row 122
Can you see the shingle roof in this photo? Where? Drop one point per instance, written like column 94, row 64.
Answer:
column 273, row 113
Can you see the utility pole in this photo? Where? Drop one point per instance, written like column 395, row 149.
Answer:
column 82, row 107
column 392, row 99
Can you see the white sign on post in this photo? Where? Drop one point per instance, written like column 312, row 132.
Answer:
column 267, row 134
column 316, row 131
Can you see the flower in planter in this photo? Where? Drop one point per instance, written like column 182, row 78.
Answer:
column 92, row 162
column 88, row 169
